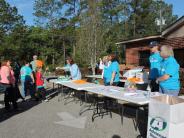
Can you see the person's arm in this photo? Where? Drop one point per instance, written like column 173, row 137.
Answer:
column 101, row 65
column 170, row 70
column 32, row 77
column 163, row 78
column 12, row 77
column 103, row 73
column 31, row 74
column 7, row 74
column 112, row 77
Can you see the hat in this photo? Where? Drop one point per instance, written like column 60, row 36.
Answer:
column 153, row 43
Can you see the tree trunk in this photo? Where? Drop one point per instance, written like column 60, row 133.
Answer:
column 53, row 60
column 74, row 49
column 64, row 51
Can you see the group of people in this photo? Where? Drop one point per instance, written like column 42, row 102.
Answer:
column 163, row 75
column 109, row 66
column 31, row 78
column 164, row 70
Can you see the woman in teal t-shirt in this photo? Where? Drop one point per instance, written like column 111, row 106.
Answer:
column 169, row 73
column 113, row 71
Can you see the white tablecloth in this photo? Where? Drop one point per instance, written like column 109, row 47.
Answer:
column 137, row 97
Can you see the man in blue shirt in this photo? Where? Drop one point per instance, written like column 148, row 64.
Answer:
column 155, row 60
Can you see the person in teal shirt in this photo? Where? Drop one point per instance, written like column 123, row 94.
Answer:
column 27, row 80
column 105, row 73
column 169, row 73
column 155, row 60
column 113, row 71
column 75, row 73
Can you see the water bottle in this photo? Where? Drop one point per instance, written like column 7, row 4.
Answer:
column 126, row 85
column 148, row 90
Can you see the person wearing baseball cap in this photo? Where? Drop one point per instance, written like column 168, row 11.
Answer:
column 155, row 61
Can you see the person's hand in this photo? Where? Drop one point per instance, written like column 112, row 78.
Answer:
column 70, row 78
column 157, row 81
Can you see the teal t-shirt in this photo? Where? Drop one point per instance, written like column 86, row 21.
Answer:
column 106, row 76
column 170, row 67
column 25, row 72
column 114, row 67
column 155, row 60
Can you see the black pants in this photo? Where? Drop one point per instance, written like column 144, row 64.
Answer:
column 154, row 86
column 40, row 93
column 10, row 97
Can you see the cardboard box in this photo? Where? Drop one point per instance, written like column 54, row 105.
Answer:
column 166, row 117
column 132, row 73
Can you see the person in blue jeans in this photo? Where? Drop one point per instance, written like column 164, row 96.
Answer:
column 169, row 73
column 113, row 71
column 27, row 80
column 155, row 61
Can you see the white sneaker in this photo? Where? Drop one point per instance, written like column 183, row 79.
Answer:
column 46, row 100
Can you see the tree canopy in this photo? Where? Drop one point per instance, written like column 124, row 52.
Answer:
column 78, row 28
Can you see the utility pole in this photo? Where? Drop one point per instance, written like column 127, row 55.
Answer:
column 160, row 21
column 160, row 17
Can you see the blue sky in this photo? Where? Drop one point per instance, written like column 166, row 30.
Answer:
column 25, row 8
